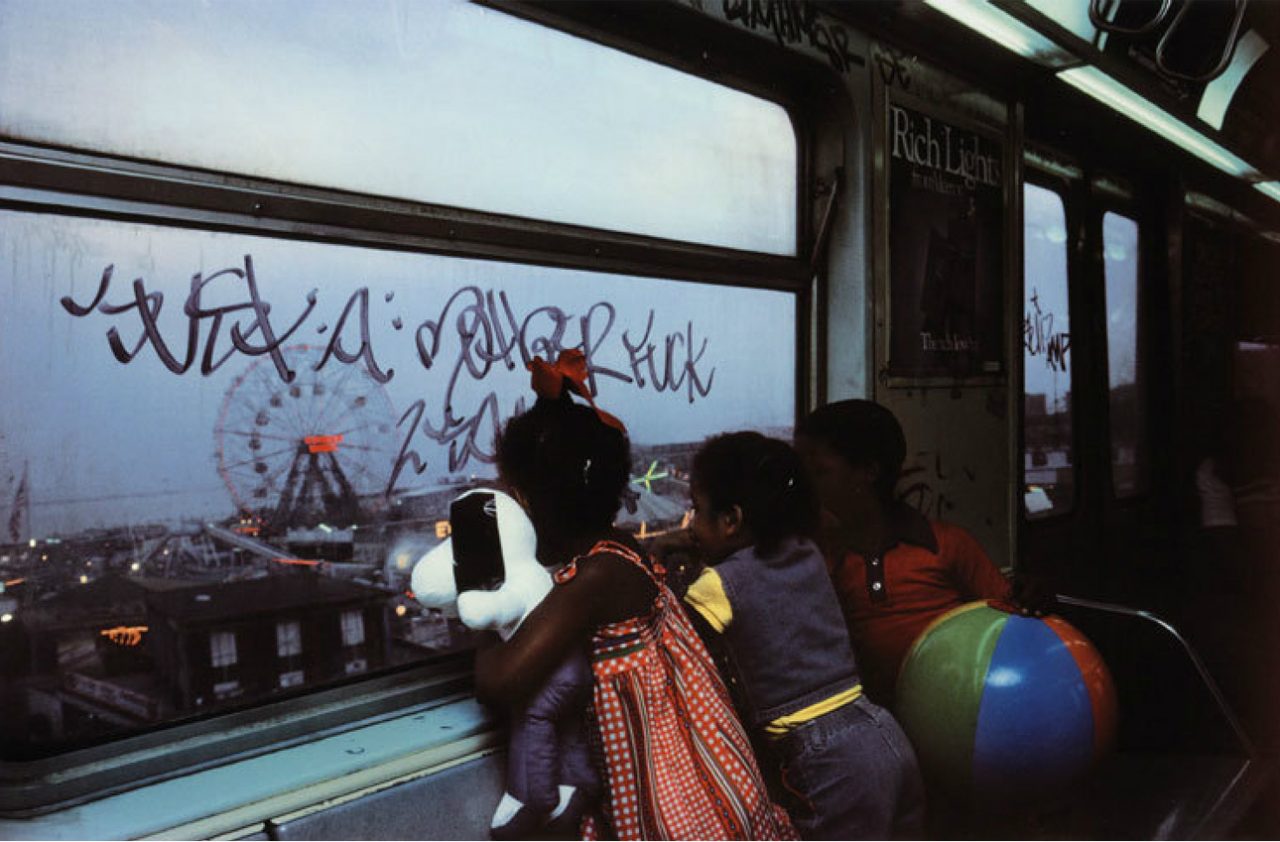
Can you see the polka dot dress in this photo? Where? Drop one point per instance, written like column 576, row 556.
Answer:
column 678, row 763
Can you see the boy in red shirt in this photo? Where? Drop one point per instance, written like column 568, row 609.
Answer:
column 894, row 571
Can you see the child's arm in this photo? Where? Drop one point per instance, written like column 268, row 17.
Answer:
column 678, row 555
column 604, row 589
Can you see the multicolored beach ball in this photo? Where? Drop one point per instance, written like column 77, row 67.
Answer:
column 1004, row 708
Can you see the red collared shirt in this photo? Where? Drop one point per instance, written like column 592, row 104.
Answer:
column 889, row 599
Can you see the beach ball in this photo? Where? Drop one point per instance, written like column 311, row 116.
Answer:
column 1004, row 708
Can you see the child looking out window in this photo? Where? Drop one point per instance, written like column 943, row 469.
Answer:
column 767, row 593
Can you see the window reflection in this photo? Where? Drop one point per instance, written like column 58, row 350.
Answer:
column 1124, row 360
column 1048, row 461
column 218, row 497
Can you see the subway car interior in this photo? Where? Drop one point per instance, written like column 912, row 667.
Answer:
column 213, row 493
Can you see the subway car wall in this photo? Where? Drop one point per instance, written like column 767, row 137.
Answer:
column 273, row 273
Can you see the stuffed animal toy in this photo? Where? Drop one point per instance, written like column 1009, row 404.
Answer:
column 488, row 571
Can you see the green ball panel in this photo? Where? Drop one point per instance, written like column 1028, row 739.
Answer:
column 940, row 690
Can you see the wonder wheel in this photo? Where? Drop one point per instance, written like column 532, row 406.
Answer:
column 315, row 451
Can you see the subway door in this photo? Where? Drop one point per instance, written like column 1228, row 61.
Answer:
column 1095, row 509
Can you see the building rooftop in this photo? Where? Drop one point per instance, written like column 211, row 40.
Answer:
column 216, row 601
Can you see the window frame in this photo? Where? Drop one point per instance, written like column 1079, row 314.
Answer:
column 43, row 178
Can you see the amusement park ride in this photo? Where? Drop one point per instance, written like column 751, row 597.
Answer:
column 310, row 452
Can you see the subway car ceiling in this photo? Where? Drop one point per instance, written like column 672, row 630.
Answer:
column 1146, row 62
column 353, row 713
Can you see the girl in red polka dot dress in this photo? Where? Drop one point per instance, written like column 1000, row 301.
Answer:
column 676, row 760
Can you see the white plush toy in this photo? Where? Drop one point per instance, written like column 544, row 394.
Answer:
column 489, row 570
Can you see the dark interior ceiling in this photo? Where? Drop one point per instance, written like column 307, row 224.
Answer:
column 1056, row 113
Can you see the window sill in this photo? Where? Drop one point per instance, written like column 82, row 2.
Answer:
column 287, row 782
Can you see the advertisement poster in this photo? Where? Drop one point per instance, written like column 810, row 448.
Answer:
column 946, row 248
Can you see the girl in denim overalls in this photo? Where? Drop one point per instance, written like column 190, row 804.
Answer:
column 767, row 596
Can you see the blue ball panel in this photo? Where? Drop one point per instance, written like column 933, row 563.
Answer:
column 1035, row 722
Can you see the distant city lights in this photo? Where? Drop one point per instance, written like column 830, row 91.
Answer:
column 32, row 543
column 135, row 567
column 84, row 580
column 6, row 618
column 124, row 635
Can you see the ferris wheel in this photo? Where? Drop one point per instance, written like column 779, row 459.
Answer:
column 317, row 450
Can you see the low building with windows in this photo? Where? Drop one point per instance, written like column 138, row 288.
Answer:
column 248, row 639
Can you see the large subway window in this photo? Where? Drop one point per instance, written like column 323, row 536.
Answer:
column 443, row 101
column 1049, row 457
column 223, row 452
column 1124, row 355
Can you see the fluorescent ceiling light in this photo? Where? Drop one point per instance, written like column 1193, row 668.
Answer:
column 1271, row 188
column 1005, row 30
column 1108, row 91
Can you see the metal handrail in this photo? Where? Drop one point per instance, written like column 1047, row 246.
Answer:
column 1221, row 701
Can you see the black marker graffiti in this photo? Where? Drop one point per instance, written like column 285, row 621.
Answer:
column 675, row 345
column 794, row 22
column 149, row 305
column 474, row 331
column 893, row 68
column 1038, row 336
column 335, row 349
column 920, row 490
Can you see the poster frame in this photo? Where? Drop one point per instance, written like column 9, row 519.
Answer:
column 896, row 375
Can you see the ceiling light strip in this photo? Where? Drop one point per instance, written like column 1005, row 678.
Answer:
column 1111, row 93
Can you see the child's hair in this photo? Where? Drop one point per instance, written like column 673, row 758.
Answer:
column 570, row 467
column 863, row 433
column 765, row 478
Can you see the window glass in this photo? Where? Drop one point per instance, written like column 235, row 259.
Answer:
column 1124, row 358
column 1048, row 461
column 214, row 432
column 289, row 639
column 410, row 100
column 352, row 628
column 222, row 648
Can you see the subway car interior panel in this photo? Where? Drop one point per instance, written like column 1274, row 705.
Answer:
column 214, row 490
